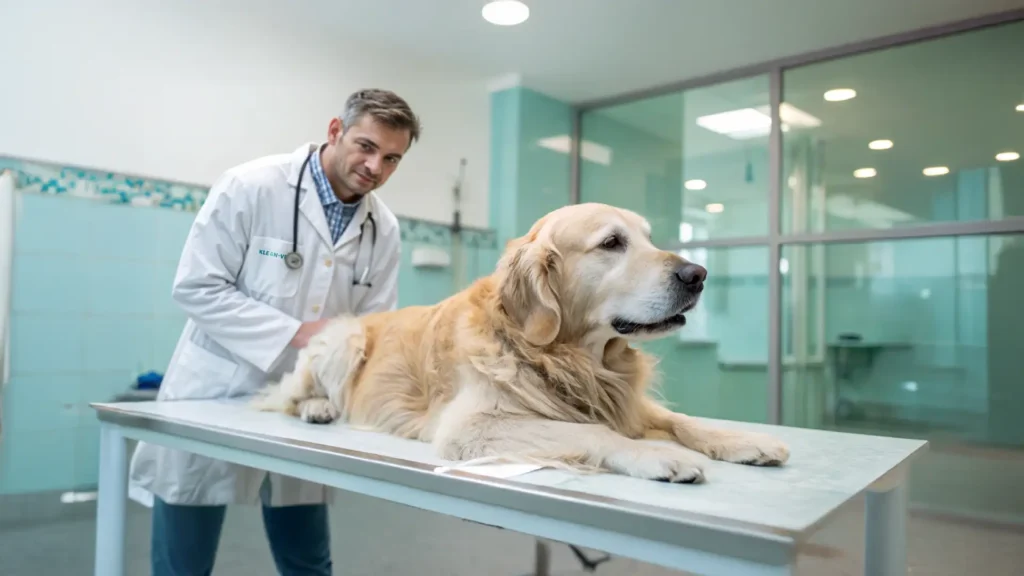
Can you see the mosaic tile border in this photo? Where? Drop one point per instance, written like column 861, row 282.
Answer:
column 115, row 188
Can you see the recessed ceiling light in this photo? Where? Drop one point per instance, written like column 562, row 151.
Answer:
column 695, row 184
column 1020, row 108
column 880, row 144
column 840, row 94
column 865, row 173
column 1007, row 156
column 714, row 208
column 935, row 171
column 506, row 12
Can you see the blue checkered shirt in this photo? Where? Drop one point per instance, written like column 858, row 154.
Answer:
column 337, row 212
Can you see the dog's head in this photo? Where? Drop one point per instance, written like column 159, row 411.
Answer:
column 590, row 271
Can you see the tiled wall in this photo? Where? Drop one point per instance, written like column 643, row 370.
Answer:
column 95, row 255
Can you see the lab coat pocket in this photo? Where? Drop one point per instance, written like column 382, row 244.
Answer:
column 266, row 271
column 357, row 291
column 211, row 374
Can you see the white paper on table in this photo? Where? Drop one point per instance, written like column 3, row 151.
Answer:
column 482, row 467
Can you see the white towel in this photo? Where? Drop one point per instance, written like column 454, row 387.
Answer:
column 488, row 466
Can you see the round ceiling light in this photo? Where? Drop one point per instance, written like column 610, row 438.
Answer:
column 506, row 12
column 1020, row 108
column 1007, row 156
column 865, row 173
column 840, row 94
column 880, row 144
column 695, row 184
column 715, row 208
column 935, row 171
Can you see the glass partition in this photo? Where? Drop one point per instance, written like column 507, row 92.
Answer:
column 918, row 337
column 905, row 136
column 900, row 244
column 718, row 365
column 694, row 162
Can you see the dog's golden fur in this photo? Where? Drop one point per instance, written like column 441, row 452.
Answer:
column 533, row 362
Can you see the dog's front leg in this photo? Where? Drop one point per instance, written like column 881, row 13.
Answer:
column 468, row 430
column 728, row 445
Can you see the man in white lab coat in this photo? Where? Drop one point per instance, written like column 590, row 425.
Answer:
column 257, row 278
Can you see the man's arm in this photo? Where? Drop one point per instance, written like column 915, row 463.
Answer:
column 204, row 285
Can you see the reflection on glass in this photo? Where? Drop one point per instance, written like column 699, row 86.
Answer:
column 909, row 337
column 717, row 366
column 697, row 157
column 921, row 137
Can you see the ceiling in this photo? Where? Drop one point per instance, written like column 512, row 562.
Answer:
column 581, row 50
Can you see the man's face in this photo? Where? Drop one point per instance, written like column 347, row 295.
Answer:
column 367, row 153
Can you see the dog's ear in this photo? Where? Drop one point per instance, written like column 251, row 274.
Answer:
column 528, row 290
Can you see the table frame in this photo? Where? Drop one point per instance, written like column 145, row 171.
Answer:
column 668, row 538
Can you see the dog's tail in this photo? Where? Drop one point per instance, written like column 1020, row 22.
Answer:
column 324, row 369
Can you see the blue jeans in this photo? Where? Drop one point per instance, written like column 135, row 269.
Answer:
column 185, row 539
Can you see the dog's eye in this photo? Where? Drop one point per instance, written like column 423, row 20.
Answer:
column 613, row 242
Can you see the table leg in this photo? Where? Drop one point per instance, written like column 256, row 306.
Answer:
column 111, row 504
column 542, row 558
column 885, row 525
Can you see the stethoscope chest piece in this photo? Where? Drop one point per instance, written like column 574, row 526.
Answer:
column 293, row 260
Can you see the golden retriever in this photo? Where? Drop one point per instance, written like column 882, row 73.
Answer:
column 532, row 363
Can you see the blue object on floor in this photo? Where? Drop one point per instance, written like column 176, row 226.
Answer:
column 149, row 381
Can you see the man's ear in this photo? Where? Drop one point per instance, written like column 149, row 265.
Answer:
column 528, row 290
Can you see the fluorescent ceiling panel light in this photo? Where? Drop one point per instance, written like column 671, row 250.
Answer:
column 748, row 123
column 868, row 212
column 695, row 184
column 714, row 208
column 880, row 144
column 738, row 124
column 590, row 151
column 865, row 173
column 685, row 231
column 793, row 116
column 1007, row 156
column 935, row 171
column 505, row 12
column 840, row 94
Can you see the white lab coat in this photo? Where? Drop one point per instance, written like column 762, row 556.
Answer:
column 244, row 305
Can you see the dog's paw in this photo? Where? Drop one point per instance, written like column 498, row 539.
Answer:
column 318, row 411
column 665, row 463
column 747, row 448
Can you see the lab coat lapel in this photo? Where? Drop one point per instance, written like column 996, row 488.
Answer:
column 309, row 205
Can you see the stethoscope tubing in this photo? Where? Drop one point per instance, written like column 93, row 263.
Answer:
column 294, row 260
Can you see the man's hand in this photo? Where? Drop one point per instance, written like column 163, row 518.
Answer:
column 306, row 331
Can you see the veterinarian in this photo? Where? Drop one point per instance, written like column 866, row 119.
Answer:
column 282, row 244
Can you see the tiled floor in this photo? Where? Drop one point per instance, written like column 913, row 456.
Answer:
column 377, row 538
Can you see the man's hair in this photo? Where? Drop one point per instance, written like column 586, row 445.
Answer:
column 385, row 107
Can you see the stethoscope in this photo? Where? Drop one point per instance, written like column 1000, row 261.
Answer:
column 293, row 259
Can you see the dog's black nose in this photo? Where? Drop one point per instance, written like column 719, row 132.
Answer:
column 692, row 275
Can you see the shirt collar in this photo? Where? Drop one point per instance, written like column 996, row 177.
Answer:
column 323, row 187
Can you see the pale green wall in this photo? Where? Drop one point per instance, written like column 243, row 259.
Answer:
column 528, row 180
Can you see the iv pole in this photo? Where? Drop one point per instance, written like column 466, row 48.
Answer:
column 458, row 261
